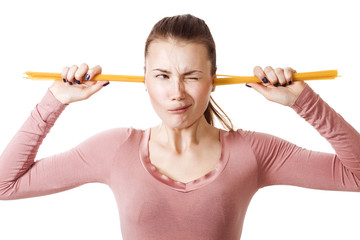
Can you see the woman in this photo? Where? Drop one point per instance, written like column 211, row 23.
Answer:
column 185, row 178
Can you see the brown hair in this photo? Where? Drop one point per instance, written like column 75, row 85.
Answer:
column 190, row 28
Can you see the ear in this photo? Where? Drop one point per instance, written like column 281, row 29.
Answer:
column 214, row 77
column 145, row 77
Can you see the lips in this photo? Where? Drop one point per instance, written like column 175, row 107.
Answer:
column 180, row 108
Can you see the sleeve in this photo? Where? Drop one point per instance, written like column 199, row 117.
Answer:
column 90, row 161
column 283, row 163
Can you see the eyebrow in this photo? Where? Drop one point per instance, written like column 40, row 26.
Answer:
column 187, row 73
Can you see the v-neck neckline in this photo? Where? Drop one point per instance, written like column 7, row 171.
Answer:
column 177, row 185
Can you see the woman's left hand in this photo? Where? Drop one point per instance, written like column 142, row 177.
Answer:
column 278, row 85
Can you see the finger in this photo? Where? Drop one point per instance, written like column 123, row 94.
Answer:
column 280, row 76
column 259, row 73
column 92, row 72
column 71, row 74
column 95, row 87
column 271, row 76
column 80, row 73
column 64, row 73
column 259, row 87
column 288, row 72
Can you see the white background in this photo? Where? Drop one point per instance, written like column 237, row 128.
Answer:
column 305, row 35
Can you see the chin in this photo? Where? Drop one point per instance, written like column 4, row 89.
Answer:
column 177, row 125
column 180, row 121
column 180, row 124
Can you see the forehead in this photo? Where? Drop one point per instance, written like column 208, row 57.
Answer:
column 170, row 52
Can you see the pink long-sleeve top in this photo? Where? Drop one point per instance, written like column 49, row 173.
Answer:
column 154, row 206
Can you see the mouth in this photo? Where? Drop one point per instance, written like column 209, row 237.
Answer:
column 180, row 109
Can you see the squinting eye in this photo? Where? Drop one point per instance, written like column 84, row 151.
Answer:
column 193, row 78
column 162, row 76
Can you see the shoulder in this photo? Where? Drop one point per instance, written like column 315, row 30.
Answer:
column 243, row 134
column 115, row 137
column 119, row 133
column 253, row 138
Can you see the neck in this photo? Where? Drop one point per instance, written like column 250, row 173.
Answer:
column 181, row 140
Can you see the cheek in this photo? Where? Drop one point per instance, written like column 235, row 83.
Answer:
column 202, row 95
column 157, row 96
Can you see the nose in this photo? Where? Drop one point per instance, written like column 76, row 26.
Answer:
column 178, row 90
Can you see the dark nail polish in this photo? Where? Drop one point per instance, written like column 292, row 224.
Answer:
column 87, row 77
column 64, row 80
column 248, row 85
column 265, row 80
column 284, row 85
column 276, row 84
column 290, row 82
column 106, row 84
column 70, row 83
column 78, row 82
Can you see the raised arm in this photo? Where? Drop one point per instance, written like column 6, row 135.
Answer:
column 281, row 162
column 21, row 176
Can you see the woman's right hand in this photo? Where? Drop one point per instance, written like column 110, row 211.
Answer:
column 77, row 85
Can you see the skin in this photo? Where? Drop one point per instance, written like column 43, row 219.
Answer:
column 184, row 146
column 70, row 91
column 177, row 73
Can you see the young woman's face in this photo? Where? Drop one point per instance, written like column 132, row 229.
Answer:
column 179, row 81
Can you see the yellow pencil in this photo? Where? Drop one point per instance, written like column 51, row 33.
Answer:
column 220, row 79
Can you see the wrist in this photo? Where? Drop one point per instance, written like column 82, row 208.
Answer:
column 297, row 92
column 61, row 98
column 307, row 99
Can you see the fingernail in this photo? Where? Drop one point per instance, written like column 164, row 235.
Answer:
column 284, row 85
column 70, row 83
column 265, row 80
column 276, row 84
column 64, row 80
column 106, row 84
column 87, row 77
column 290, row 82
column 78, row 82
column 248, row 85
